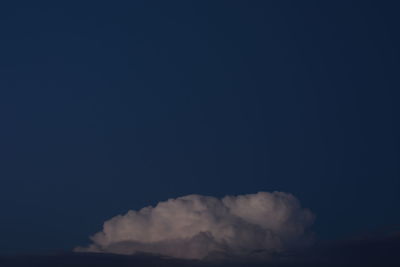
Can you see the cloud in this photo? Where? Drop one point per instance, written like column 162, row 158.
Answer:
column 196, row 227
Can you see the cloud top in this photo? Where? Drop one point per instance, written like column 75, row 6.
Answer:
column 195, row 227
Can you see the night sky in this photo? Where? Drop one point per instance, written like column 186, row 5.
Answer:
column 107, row 106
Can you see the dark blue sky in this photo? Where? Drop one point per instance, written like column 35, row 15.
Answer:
column 110, row 106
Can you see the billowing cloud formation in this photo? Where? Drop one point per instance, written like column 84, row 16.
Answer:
column 196, row 226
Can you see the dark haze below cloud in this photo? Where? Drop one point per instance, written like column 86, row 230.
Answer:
column 373, row 251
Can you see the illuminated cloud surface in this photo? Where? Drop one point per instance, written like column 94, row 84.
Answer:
column 196, row 227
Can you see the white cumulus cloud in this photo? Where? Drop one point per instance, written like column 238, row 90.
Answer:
column 195, row 226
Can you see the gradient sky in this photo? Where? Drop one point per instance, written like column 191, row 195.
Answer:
column 109, row 106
